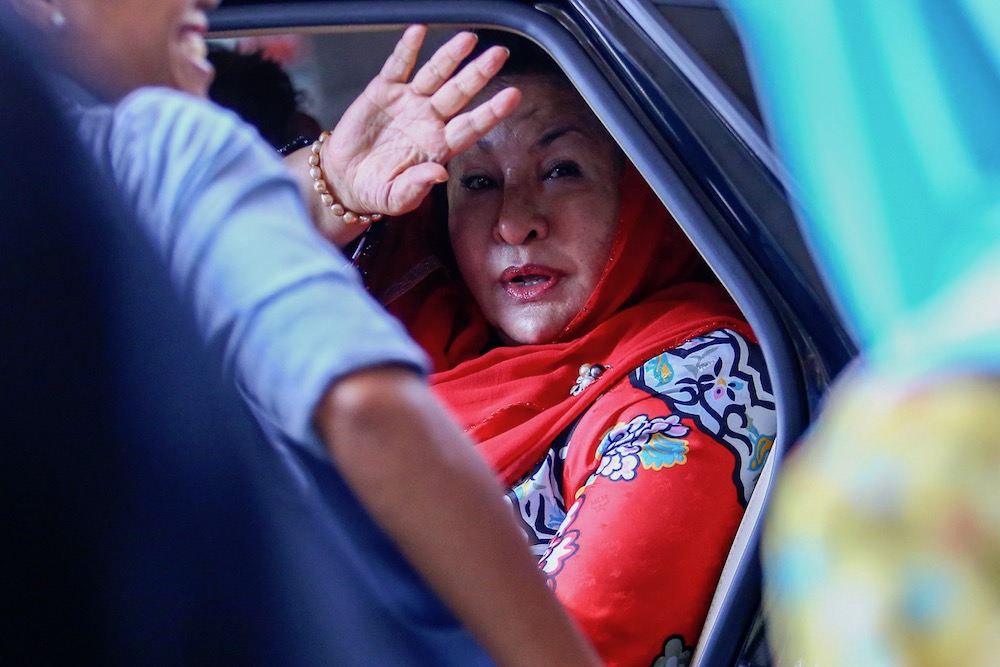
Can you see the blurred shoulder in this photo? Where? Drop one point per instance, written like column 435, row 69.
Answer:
column 172, row 113
column 163, row 135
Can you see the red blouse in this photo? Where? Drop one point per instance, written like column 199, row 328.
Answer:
column 655, row 482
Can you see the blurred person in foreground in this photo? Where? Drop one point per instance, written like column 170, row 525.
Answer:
column 883, row 542
column 145, row 519
column 342, row 385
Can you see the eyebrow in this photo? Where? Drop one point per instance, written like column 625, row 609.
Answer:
column 546, row 139
column 549, row 137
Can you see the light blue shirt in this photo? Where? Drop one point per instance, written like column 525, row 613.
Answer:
column 289, row 313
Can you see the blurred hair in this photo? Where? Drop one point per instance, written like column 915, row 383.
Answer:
column 262, row 93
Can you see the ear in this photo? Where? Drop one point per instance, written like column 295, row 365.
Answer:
column 43, row 14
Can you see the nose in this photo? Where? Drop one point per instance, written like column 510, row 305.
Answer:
column 522, row 218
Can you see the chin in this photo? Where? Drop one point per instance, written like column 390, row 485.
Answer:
column 192, row 78
column 528, row 333
column 196, row 88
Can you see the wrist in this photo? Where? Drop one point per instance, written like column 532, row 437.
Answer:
column 294, row 145
column 325, row 192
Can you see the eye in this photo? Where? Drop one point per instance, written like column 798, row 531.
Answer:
column 563, row 169
column 476, row 182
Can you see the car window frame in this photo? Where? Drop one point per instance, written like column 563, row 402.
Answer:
column 592, row 61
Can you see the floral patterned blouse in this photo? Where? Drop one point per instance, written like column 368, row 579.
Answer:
column 633, row 509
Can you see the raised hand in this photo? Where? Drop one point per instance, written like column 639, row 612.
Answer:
column 389, row 148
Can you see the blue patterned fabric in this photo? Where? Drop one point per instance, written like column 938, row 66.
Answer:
column 609, row 509
column 716, row 380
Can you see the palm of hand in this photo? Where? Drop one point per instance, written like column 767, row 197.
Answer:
column 390, row 147
column 394, row 145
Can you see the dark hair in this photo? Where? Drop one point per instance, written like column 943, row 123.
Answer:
column 262, row 93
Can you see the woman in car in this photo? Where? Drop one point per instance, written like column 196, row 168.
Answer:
column 344, row 385
column 584, row 345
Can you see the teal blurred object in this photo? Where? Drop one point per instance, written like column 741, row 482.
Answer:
column 887, row 114
column 883, row 540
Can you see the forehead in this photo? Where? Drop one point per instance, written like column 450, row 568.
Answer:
column 546, row 104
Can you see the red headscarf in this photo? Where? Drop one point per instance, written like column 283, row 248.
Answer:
column 655, row 293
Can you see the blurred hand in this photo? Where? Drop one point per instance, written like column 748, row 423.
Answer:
column 391, row 145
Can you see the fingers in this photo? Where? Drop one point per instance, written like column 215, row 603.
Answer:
column 466, row 129
column 443, row 63
column 400, row 63
column 460, row 89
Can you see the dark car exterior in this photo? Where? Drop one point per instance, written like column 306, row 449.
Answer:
column 694, row 133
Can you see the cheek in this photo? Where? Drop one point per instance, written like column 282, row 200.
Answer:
column 594, row 256
column 467, row 244
column 593, row 225
column 470, row 226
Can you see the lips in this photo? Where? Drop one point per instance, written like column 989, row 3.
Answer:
column 529, row 282
column 193, row 41
column 197, row 72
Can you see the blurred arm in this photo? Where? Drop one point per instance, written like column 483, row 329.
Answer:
column 424, row 483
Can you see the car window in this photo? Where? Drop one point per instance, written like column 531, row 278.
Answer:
column 703, row 26
column 328, row 70
column 702, row 164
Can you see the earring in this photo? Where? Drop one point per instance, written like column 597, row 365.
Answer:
column 58, row 19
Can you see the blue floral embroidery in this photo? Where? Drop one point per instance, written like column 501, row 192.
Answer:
column 719, row 381
column 562, row 547
column 716, row 382
column 761, row 446
column 537, row 501
column 664, row 449
column 653, row 443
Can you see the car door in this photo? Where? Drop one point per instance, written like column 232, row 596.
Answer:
column 651, row 72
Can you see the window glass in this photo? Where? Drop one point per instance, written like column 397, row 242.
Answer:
column 327, row 70
column 707, row 31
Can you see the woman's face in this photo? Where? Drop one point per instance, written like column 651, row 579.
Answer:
column 532, row 212
column 115, row 46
